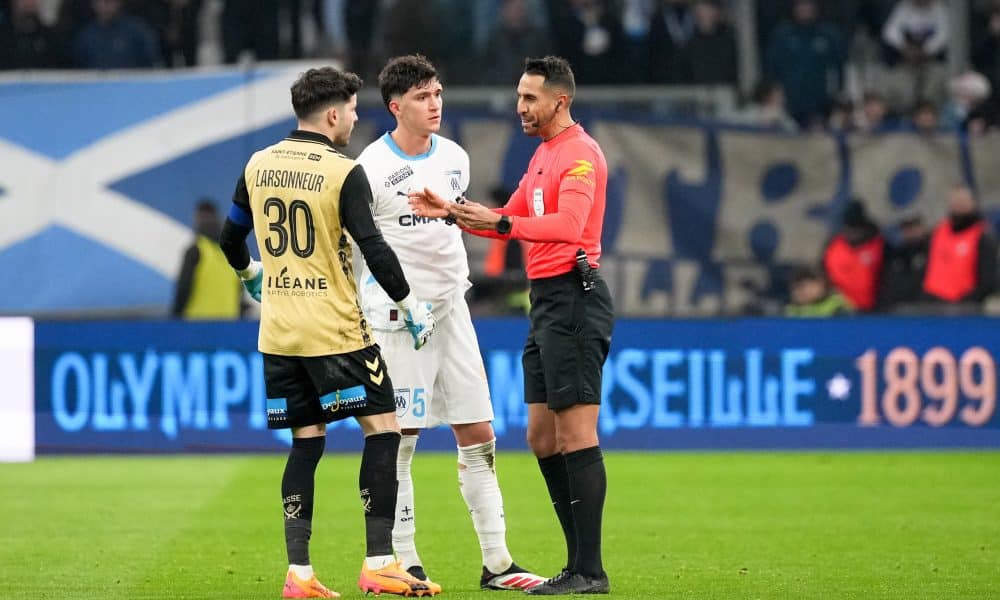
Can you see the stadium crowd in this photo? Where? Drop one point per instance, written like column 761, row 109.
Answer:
column 869, row 65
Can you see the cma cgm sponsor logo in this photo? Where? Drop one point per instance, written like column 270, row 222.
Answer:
column 167, row 392
column 413, row 220
column 289, row 285
column 399, row 176
column 673, row 388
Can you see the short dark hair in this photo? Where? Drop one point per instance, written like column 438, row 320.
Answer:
column 555, row 70
column 206, row 205
column 319, row 88
column 802, row 273
column 404, row 72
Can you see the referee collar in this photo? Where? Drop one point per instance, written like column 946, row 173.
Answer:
column 310, row 136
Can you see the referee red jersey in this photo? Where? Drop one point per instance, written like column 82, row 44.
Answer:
column 563, row 192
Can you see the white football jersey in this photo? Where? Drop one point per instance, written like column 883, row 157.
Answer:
column 431, row 251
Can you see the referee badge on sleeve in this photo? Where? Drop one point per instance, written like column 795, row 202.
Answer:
column 538, row 200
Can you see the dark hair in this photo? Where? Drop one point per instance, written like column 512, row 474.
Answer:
column 802, row 273
column 924, row 104
column 764, row 88
column 206, row 205
column 854, row 214
column 555, row 70
column 404, row 72
column 872, row 96
column 319, row 88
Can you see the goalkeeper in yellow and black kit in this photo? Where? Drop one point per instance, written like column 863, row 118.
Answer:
column 305, row 201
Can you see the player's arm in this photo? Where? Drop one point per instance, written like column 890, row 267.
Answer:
column 577, row 186
column 576, row 197
column 232, row 241
column 356, row 216
column 429, row 204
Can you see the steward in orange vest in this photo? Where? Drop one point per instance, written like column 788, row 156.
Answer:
column 853, row 258
column 963, row 253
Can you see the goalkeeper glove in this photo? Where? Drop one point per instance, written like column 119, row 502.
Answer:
column 253, row 278
column 418, row 318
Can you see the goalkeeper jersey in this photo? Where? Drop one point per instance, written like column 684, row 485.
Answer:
column 431, row 251
column 309, row 300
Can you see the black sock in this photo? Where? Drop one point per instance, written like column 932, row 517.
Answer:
column 557, row 480
column 588, row 484
column 378, row 484
column 297, row 485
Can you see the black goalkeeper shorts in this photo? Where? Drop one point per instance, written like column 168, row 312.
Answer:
column 568, row 341
column 309, row 390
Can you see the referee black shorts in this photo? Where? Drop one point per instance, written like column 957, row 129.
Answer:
column 309, row 390
column 568, row 341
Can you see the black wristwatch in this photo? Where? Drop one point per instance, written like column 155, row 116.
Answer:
column 503, row 225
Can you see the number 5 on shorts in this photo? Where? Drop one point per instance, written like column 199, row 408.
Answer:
column 418, row 402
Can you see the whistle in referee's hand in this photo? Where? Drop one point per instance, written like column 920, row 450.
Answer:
column 585, row 270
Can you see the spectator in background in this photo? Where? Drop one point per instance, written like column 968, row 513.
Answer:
column 114, row 40
column 73, row 16
column 589, row 34
column 962, row 264
column 807, row 57
column 360, row 21
column 206, row 288
column 968, row 107
column 917, row 32
column 845, row 15
column 710, row 55
column 924, row 118
column 252, row 26
column 176, row 25
column 873, row 116
column 986, row 43
column 916, row 40
column 905, row 264
column 457, row 51
column 635, row 16
column 811, row 296
column 767, row 108
column 25, row 41
column 670, row 28
column 853, row 258
column 514, row 37
column 841, row 118
column 413, row 26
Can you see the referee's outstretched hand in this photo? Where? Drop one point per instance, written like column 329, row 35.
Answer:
column 426, row 203
column 472, row 215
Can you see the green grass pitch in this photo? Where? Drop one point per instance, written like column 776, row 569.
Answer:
column 680, row 525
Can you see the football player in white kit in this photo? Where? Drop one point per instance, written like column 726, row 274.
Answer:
column 446, row 381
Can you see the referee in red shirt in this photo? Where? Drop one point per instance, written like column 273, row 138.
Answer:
column 558, row 208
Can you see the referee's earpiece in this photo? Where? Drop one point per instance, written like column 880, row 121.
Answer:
column 558, row 104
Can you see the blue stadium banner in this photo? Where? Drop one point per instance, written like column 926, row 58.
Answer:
column 702, row 219
column 686, row 384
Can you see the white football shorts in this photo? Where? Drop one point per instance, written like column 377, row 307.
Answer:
column 443, row 382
